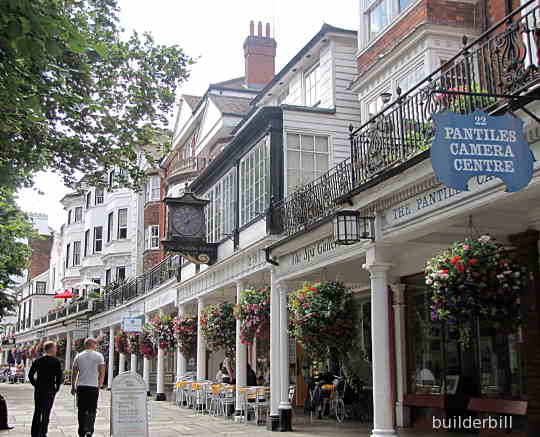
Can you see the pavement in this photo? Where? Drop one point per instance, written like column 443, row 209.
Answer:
column 165, row 420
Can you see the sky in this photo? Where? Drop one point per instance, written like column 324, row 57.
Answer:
column 213, row 31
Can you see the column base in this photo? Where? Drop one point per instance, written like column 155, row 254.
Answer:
column 285, row 419
column 272, row 423
column 161, row 397
column 384, row 433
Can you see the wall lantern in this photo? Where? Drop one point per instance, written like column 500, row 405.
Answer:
column 350, row 228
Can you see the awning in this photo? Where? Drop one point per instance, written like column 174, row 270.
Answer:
column 67, row 294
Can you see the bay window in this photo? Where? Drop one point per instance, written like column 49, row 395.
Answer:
column 254, row 179
column 76, row 253
column 220, row 211
column 307, row 159
column 98, row 239
column 378, row 14
column 151, row 240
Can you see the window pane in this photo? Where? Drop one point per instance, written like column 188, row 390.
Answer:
column 403, row 4
column 293, row 160
column 378, row 19
column 307, row 142
column 321, row 163
column 321, row 144
column 292, row 180
column 308, row 163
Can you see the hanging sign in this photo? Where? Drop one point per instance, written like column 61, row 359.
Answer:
column 129, row 408
column 131, row 324
column 478, row 144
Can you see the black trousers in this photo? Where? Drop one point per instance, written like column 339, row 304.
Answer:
column 43, row 402
column 87, row 400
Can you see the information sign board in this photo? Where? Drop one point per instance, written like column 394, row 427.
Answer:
column 132, row 324
column 129, row 408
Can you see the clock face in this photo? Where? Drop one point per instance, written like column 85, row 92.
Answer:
column 188, row 221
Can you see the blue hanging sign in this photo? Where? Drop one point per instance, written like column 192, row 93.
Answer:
column 479, row 144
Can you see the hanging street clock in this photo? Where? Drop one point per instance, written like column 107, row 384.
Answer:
column 186, row 229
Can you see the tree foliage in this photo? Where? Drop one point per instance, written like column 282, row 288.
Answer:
column 78, row 96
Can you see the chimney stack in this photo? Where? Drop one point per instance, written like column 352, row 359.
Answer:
column 260, row 55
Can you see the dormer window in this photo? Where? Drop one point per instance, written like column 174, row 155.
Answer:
column 311, row 86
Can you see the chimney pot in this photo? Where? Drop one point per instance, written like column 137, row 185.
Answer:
column 260, row 54
column 268, row 30
column 259, row 29
column 252, row 28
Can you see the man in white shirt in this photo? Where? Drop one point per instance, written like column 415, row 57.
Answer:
column 87, row 377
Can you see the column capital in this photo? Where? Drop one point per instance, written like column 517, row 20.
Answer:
column 398, row 292
column 240, row 283
column 379, row 267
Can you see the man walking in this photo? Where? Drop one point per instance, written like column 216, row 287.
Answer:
column 87, row 376
column 46, row 385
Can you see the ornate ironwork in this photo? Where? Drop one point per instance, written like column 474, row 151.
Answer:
column 498, row 66
column 313, row 202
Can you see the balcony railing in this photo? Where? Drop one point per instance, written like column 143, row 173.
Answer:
column 64, row 311
column 142, row 284
column 500, row 64
column 313, row 202
column 497, row 68
column 186, row 165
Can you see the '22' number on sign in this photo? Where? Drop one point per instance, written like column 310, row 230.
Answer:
column 479, row 120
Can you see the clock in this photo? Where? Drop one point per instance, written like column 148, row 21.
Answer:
column 188, row 221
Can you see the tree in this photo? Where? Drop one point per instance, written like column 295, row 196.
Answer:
column 78, row 97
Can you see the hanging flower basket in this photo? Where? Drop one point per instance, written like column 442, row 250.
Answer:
column 219, row 327
column 78, row 345
column 160, row 329
column 146, row 347
column 253, row 311
column 103, row 346
column 475, row 278
column 185, row 331
column 61, row 347
column 133, row 342
column 321, row 319
column 121, row 343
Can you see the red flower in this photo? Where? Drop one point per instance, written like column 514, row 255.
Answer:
column 312, row 288
column 474, row 261
column 460, row 268
column 455, row 260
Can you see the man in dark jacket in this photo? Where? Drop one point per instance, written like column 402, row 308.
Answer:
column 46, row 385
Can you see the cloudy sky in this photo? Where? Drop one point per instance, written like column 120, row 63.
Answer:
column 212, row 31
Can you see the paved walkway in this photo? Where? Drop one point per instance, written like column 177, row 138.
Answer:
column 166, row 420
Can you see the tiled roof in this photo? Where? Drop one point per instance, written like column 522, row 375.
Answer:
column 192, row 101
column 237, row 82
column 231, row 105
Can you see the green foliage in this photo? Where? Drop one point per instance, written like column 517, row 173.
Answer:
column 77, row 96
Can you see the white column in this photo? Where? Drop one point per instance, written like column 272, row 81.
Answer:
column 121, row 363
column 274, row 345
column 402, row 411
column 201, row 344
column 68, row 349
column 241, row 351
column 146, row 366
column 160, row 378
column 285, row 413
column 111, row 358
column 254, row 355
column 181, row 362
column 383, row 410
column 133, row 363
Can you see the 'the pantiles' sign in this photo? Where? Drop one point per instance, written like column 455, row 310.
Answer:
column 478, row 144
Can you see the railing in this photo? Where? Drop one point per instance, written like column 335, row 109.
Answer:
column 70, row 309
column 502, row 62
column 313, row 202
column 142, row 284
column 190, row 164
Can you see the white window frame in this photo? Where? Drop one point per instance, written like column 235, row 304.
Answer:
column 312, row 85
column 78, row 214
column 221, row 209
column 151, row 240
column 152, row 189
column 254, row 181
column 394, row 10
column 76, row 253
column 121, row 227
column 95, row 240
column 98, row 199
column 301, row 151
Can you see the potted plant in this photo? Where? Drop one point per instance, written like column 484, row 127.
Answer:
column 146, row 346
column 133, row 342
column 121, row 343
column 219, row 327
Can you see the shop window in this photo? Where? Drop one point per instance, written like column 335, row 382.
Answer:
column 438, row 364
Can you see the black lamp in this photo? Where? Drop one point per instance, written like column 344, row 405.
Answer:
column 350, row 228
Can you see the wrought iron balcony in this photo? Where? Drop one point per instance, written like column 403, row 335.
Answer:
column 142, row 284
column 494, row 73
column 314, row 202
